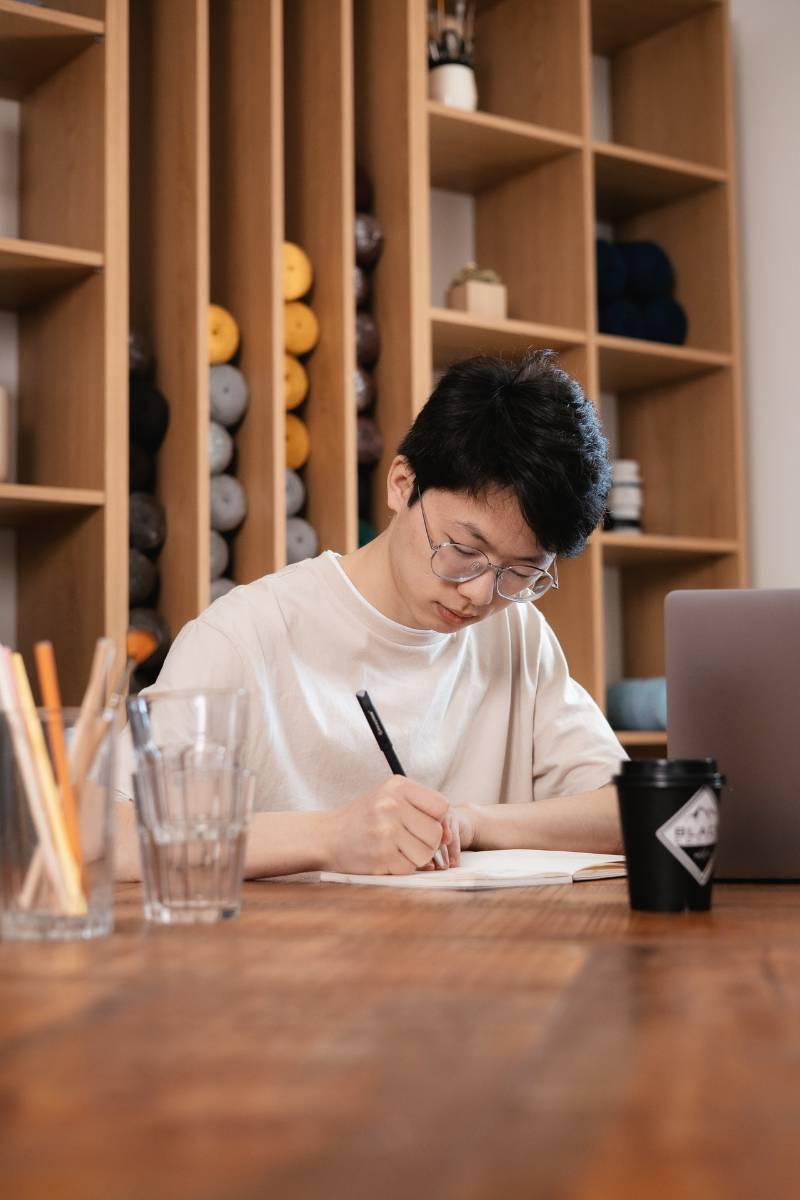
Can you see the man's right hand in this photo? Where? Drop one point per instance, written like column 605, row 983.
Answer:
column 393, row 830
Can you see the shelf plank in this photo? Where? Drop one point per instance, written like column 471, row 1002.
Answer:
column 642, row 549
column 471, row 151
column 458, row 335
column 642, row 737
column 629, row 181
column 37, row 42
column 630, row 364
column 620, row 23
column 22, row 504
column 31, row 271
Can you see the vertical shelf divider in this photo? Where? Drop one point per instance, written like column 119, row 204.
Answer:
column 319, row 170
column 247, row 217
column 170, row 272
column 116, row 184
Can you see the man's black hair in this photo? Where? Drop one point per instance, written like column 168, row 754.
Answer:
column 525, row 426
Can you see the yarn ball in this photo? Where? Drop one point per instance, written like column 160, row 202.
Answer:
column 623, row 318
column 665, row 321
column 648, row 269
column 612, row 275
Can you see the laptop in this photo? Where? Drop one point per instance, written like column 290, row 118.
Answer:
column 733, row 693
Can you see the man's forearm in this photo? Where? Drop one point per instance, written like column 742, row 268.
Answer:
column 279, row 843
column 588, row 821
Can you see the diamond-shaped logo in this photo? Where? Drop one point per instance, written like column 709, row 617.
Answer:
column 690, row 834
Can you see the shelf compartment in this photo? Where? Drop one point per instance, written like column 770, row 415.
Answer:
column 33, row 271
column 246, row 204
column 169, row 273
column 393, row 150
column 525, row 56
column 62, row 158
column 319, row 197
column 532, row 229
column 23, row 504
column 644, row 587
column 629, row 181
column 459, row 335
column 683, row 58
column 37, row 42
column 619, row 23
column 642, row 549
column 470, row 151
column 628, row 365
column 679, row 434
column 695, row 234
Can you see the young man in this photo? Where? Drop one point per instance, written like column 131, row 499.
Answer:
column 503, row 471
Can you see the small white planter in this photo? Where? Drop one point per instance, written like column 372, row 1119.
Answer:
column 480, row 298
column 453, row 84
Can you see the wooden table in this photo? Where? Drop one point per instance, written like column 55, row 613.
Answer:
column 349, row 1042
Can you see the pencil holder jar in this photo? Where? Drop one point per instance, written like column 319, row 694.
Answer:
column 56, row 823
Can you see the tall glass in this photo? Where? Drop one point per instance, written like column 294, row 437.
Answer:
column 193, row 802
column 56, row 861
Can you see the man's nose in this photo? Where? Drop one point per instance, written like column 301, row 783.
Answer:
column 480, row 591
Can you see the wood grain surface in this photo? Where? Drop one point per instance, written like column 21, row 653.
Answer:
column 352, row 1042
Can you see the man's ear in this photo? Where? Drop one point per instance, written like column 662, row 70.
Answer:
column 399, row 483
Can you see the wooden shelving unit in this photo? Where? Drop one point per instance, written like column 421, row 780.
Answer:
column 66, row 277
column 539, row 181
column 247, row 117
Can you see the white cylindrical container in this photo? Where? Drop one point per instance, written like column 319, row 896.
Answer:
column 625, row 497
column 453, row 84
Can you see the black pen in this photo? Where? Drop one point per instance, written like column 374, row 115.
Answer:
column 382, row 738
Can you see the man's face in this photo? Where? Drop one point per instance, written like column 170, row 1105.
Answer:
column 493, row 524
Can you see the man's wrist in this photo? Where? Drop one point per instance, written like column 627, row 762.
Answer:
column 475, row 815
column 323, row 838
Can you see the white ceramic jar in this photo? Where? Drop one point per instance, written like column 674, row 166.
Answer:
column 453, row 84
column 625, row 497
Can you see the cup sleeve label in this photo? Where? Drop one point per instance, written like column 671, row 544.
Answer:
column 690, row 834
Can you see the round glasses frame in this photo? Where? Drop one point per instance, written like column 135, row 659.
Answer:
column 533, row 585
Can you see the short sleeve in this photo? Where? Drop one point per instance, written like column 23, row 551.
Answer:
column 574, row 748
column 201, row 656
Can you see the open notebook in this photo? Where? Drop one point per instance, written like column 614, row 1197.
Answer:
column 499, row 869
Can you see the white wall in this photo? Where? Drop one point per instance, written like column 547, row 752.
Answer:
column 766, row 37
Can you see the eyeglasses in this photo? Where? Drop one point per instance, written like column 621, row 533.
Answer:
column 458, row 564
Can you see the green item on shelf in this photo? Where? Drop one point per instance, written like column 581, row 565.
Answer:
column 478, row 274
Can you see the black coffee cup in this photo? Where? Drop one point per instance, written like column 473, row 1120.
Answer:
column 669, row 810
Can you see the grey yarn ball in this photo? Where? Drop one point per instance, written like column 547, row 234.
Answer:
column 228, row 503
column 221, row 587
column 219, row 555
column 228, row 393
column 295, row 493
column 301, row 540
column 220, row 447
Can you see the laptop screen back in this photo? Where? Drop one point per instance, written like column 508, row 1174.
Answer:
column 733, row 692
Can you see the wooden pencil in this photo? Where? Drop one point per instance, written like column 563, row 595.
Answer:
column 51, row 698
column 84, row 744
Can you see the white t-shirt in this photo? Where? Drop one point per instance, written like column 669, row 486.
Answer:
column 485, row 715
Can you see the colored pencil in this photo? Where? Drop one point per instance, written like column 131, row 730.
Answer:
column 51, row 698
